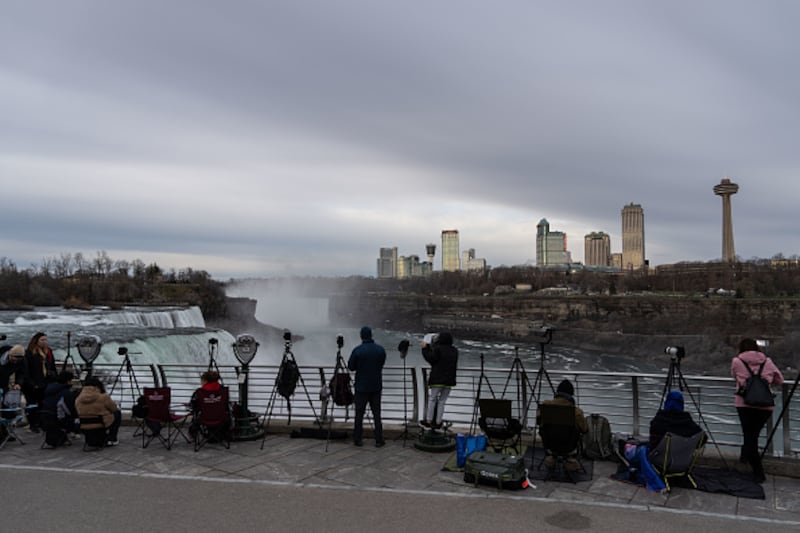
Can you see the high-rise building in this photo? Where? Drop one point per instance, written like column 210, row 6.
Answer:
column 633, row 237
column 597, row 249
column 726, row 189
column 470, row 263
column 387, row 263
column 450, row 258
column 551, row 246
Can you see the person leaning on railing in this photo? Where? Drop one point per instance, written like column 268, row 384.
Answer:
column 443, row 358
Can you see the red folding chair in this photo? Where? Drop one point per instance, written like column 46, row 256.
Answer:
column 160, row 418
column 212, row 418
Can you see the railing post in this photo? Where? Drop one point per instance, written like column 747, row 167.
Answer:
column 415, row 394
column 635, row 404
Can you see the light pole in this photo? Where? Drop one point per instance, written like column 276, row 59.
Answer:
column 245, row 349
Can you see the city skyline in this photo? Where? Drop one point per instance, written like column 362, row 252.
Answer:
column 296, row 139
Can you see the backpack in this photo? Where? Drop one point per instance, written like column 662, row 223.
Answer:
column 341, row 389
column 288, row 376
column 756, row 391
column 598, row 442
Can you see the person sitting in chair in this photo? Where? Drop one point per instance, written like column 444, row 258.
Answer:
column 565, row 395
column 209, row 381
column 443, row 358
column 672, row 419
column 93, row 401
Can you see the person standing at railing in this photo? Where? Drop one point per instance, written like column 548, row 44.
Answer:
column 367, row 360
column 443, row 358
column 39, row 369
column 753, row 418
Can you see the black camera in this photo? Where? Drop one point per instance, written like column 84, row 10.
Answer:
column 287, row 336
column 675, row 352
column 122, row 351
column 213, row 341
column 3, row 337
column 339, row 341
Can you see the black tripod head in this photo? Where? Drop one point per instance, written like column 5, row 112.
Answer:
column 403, row 348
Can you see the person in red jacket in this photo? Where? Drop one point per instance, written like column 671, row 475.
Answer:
column 753, row 418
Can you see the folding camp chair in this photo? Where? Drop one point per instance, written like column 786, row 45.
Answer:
column 675, row 456
column 160, row 418
column 212, row 418
column 12, row 415
column 94, row 433
column 561, row 440
column 501, row 428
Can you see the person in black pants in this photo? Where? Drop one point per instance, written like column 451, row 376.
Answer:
column 367, row 360
column 753, row 418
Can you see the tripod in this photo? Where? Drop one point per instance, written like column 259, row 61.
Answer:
column 337, row 388
column 213, row 347
column 675, row 376
column 68, row 359
column 786, row 401
column 541, row 375
column 476, row 408
column 288, row 365
column 403, row 349
column 134, row 389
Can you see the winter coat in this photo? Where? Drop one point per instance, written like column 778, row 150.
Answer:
column 38, row 370
column 672, row 421
column 367, row 360
column 566, row 399
column 59, row 401
column 92, row 402
column 753, row 359
column 443, row 359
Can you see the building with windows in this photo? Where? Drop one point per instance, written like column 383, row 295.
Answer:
column 450, row 247
column 597, row 249
column 470, row 263
column 633, row 257
column 387, row 263
column 551, row 246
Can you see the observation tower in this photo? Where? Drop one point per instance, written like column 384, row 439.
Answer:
column 726, row 189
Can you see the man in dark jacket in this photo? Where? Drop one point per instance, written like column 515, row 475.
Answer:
column 443, row 358
column 367, row 360
column 672, row 419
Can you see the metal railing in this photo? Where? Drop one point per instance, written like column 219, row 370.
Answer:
column 628, row 400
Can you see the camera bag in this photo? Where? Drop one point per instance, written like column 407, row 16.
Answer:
column 501, row 470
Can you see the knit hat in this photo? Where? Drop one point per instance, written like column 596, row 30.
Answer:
column 16, row 351
column 674, row 401
column 366, row 333
column 566, row 387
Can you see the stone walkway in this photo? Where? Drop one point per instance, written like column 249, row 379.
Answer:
column 394, row 468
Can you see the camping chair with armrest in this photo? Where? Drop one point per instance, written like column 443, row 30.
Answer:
column 12, row 414
column 676, row 456
column 212, row 418
column 561, row 440
column 159, row 418
column 501, row 428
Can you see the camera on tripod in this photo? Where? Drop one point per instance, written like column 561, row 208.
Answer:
column 122, row 351
column 339, row 341
column 287, row 337
column 675, row 352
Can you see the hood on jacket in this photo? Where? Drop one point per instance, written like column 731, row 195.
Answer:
column 88, row 394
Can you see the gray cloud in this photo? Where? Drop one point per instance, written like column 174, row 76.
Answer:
column 264, row 137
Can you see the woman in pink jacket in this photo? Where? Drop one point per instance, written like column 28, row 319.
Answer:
column 753, row 418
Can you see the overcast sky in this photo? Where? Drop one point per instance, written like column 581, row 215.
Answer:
column 269, row 138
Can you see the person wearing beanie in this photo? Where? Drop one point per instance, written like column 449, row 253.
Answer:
column 11, row 367
column 367, row 360
column 443, row 358
column 565, row 395
column 672, row 419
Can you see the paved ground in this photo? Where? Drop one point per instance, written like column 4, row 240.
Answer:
column 295, row 485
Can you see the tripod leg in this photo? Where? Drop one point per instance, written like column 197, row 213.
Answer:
column 786, row 402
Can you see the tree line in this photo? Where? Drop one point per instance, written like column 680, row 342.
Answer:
column 75, row 280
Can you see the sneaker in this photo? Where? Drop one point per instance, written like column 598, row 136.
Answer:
column 112, row 442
